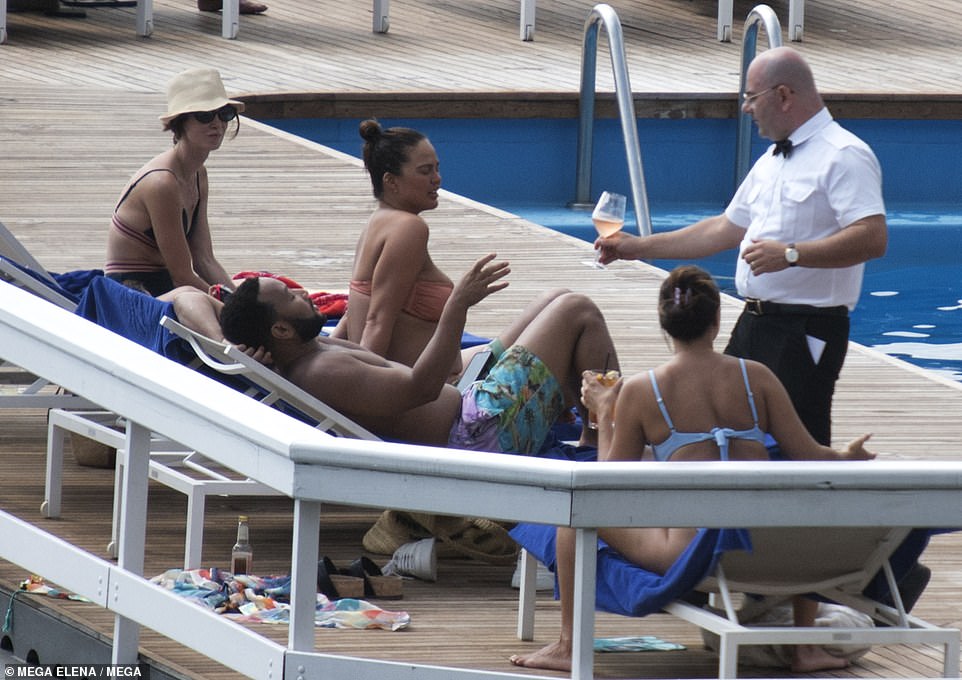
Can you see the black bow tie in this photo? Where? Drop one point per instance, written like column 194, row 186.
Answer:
column 784, row 147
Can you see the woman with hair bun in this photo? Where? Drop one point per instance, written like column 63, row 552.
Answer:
column 700, row 405
column 396, row 290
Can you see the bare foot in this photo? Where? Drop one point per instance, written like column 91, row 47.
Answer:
column 809, row 658
column 554, row 657
column 251, row 7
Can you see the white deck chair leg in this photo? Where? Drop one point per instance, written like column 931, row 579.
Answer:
column 726, row 12
column 230, row 19
column 133, row 534
column 113, row 548
column 307, row 525
column 194, row 541
column 527, row 596
column 527, row 12
column 145, row 17
column 583, row 638
column 796, row 20
column 3, row 21
column 727, row 657
column 382, row 16
column 950, row 666
column 53, row 486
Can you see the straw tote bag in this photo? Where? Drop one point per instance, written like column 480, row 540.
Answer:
column 473, row 537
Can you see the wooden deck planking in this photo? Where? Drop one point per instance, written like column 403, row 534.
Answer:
column 288, row 206
column 470, row 602
column 472, row 45
column 78, row 107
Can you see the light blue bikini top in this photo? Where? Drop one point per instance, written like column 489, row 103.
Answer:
column 665, row 450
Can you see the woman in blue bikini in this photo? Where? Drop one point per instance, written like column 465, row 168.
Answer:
column 699, row 405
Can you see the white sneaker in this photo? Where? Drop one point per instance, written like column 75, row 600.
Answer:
column 544, row 579
column 418, row 559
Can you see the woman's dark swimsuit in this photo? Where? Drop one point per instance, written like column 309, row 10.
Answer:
column 156, row 280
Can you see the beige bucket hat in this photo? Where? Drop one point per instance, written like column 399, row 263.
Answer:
column 199, row 89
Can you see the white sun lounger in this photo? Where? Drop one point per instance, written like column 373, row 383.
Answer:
column 145, row 16
column 224, row 358
column 382, row 17
column 796, row 20
column 23, row 389
column 836, row 563
column 186, row 471
column 527, row 11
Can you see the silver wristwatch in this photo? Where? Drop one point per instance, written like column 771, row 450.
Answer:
column 791, row 255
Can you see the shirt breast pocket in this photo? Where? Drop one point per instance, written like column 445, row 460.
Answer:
column 798, row 208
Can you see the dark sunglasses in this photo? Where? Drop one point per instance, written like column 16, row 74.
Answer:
column 225, row 113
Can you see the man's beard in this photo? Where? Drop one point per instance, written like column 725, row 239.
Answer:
column 310, row 328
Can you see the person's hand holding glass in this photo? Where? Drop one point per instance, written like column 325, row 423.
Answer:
column 608, row 217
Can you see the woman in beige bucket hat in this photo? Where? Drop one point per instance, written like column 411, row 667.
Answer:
column 159, row 237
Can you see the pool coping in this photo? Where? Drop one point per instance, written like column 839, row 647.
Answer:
column 282, row 105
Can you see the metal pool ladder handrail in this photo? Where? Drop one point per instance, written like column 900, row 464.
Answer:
column 743, row 137
column 626, row 110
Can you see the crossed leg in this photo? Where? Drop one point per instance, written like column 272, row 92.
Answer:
column 570, row 336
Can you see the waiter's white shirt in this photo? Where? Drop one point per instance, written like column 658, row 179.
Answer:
column 831, row 180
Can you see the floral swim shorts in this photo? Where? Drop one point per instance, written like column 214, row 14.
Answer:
column 511, row 410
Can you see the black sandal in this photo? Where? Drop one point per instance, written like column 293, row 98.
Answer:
column 334, row 584
column 376, row 583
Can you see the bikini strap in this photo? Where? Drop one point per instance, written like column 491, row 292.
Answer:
column 137, row 181
column 722, row 436
column 661, row 402
column 748, row 389
column 193, row 218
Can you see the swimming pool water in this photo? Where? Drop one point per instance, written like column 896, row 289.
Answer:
column 911, row 302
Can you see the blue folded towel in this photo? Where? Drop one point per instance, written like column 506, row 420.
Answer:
column 132, row 314
column 74, row 283
column 627, row 589
column 69, row 285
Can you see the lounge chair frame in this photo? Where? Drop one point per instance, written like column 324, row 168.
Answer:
column 144, row 18
column 178, row 467
column 225, row 358
column 31, row 391
column 528, row 9
column 835, row 563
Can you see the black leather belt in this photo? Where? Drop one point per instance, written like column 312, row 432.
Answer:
column 763, row 307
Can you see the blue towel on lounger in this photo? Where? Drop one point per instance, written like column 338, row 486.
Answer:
column 627, row 589
column 136, row 316
column 74, row 283
column 70, row 284
column 132, row 314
